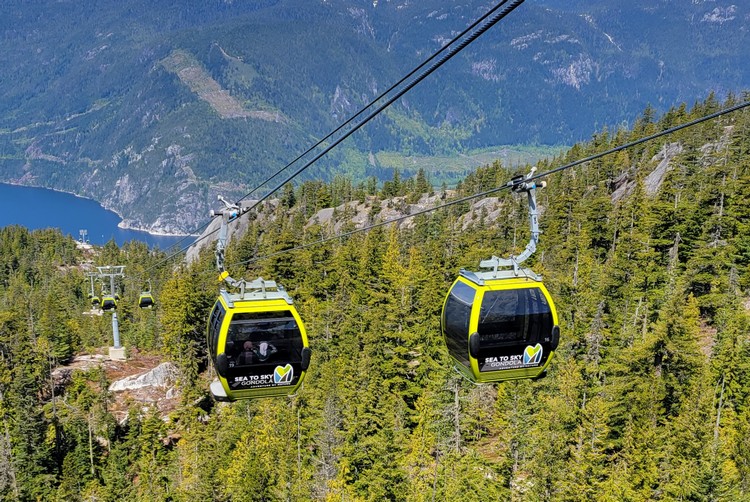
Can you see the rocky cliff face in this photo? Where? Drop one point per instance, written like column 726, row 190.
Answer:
column 355, row 214
column 141, row 380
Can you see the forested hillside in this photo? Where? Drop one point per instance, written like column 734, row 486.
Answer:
column 648, row 397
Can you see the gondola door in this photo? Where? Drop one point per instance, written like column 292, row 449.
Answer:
column 514, row 331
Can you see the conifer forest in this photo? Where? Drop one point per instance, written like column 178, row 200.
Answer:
column 645, row 251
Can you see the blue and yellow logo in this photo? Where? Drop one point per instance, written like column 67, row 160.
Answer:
column 283, row 374
column 533, row 355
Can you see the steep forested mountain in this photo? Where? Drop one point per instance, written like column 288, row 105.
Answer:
column 646, row 252
column 152, row 108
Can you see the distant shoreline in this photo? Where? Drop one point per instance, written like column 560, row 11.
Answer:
column 122, row 224
column 125, row 226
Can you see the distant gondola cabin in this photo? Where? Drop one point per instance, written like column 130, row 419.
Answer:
column 258, row 346
column 499, row 329
column 145, row 300
column 109, row 302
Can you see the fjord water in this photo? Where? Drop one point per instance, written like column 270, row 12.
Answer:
column 36, row 208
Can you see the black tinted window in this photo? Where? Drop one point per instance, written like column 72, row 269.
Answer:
column 264, row 338
column 456, row 317
column 214, row 327
column 515, row 316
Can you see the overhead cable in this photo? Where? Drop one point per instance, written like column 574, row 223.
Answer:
column 486, row 26
column 371, row 103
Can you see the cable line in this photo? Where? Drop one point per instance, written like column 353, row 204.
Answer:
column 508, row 185
column 647, row 138
column 494, row 20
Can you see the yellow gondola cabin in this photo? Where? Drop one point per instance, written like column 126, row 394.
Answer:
column 258, row 345
column 501, row 324
column 500, row 328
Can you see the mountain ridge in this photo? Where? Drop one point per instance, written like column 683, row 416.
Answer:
column 94, row 109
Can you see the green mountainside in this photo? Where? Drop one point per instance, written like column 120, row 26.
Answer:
column 647, row 255
column 154, row 108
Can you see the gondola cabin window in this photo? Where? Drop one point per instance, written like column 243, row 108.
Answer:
column 214, row 328
column 456, row 319
column 263, row 338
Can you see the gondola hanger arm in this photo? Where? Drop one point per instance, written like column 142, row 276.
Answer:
column 259, row 288
column 230, row 212
column 519, row 184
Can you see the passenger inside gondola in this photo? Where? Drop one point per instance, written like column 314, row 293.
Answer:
column 247, row 356
column 256, row 353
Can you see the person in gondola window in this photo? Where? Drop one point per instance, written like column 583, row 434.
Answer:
column 264, row 351
column 247, row 356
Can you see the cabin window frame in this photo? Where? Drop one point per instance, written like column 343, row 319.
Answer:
column 215, row 321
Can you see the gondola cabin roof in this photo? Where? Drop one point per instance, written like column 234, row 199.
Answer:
column 522, row 276
column 271, row 292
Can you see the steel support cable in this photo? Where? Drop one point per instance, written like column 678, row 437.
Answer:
column 494, row 20
column 645, row 139
column 190, row 235
column 505, row 186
